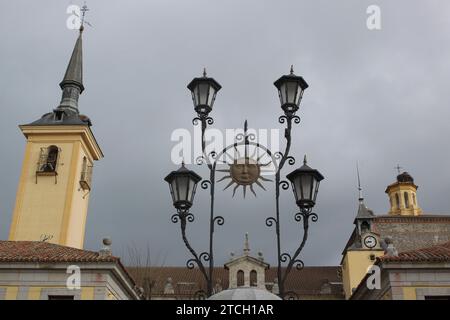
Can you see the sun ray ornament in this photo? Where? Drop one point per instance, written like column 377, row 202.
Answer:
column 246, row 170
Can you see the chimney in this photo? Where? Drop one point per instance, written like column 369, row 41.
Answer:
column 106, row 249
column 390, row 250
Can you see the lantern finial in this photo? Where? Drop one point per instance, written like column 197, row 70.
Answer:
column 304, row 160
column 204, row 72
column 292, row 69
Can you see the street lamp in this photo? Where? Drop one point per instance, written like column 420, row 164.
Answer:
column 305, row 184
column 305, row 180
column 204, row 90
column 182, row 184
column 290, row 90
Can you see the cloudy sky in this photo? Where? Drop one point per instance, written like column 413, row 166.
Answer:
column 378, row 97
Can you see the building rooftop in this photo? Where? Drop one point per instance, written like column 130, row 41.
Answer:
column 45, row 255
column 38, row 251
column 436, row 253
column 413, row 232
column 311, row 281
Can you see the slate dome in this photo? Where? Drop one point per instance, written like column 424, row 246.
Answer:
column 405, row 177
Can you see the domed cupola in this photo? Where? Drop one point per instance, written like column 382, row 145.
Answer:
column 405, row 177
column 403, row 196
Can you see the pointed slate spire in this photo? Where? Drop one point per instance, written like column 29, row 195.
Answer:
column 363, row 211
column 72, row 84
column 361, row 198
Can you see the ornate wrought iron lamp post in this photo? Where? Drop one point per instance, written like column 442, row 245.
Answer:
column 305, row 180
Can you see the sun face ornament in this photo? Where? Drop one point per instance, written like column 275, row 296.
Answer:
column 245, row 172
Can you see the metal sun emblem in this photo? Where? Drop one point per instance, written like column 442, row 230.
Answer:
column 247, row 162
column 245, row 172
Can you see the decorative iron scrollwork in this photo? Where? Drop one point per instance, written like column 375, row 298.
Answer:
column 271, row 221
column 219, row 220
column 205, row 184
column 284, row 184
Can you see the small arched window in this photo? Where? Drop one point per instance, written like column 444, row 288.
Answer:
column 406, row 199
column 397, row 201
column 253, row 279
column 240, row 278
column 50, row 159
column 414, row 199
column 365, row 227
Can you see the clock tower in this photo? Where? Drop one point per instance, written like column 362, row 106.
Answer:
column 362, row 248
column 55, row 182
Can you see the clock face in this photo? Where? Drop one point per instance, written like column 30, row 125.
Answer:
column 370, row 242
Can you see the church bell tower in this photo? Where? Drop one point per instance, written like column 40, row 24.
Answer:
column 55, row 182
column 403, row 196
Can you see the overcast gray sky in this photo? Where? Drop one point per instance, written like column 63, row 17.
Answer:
column 377, row 97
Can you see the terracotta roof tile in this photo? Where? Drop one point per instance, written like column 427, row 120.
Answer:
column 38, row 251
column 437, row 253
column 308, row 281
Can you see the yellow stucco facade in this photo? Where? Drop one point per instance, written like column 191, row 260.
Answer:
column 34, row 293
column 54, row 206
column 355, row 266
column 410, row 292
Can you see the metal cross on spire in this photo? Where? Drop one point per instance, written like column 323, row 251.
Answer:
column 398, row 168
column 83, row 10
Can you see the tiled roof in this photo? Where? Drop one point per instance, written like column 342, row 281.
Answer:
column 308, row 281
column 437, row 253
column 38, row 251
column 45, row 252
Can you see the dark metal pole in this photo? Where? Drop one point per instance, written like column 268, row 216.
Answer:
column 284, row 156
column 205, row 120
column 183, row 216
column 211, row 219
column 305, row 213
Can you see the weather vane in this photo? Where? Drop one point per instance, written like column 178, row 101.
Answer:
column 82, row 19
column 83, row 10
